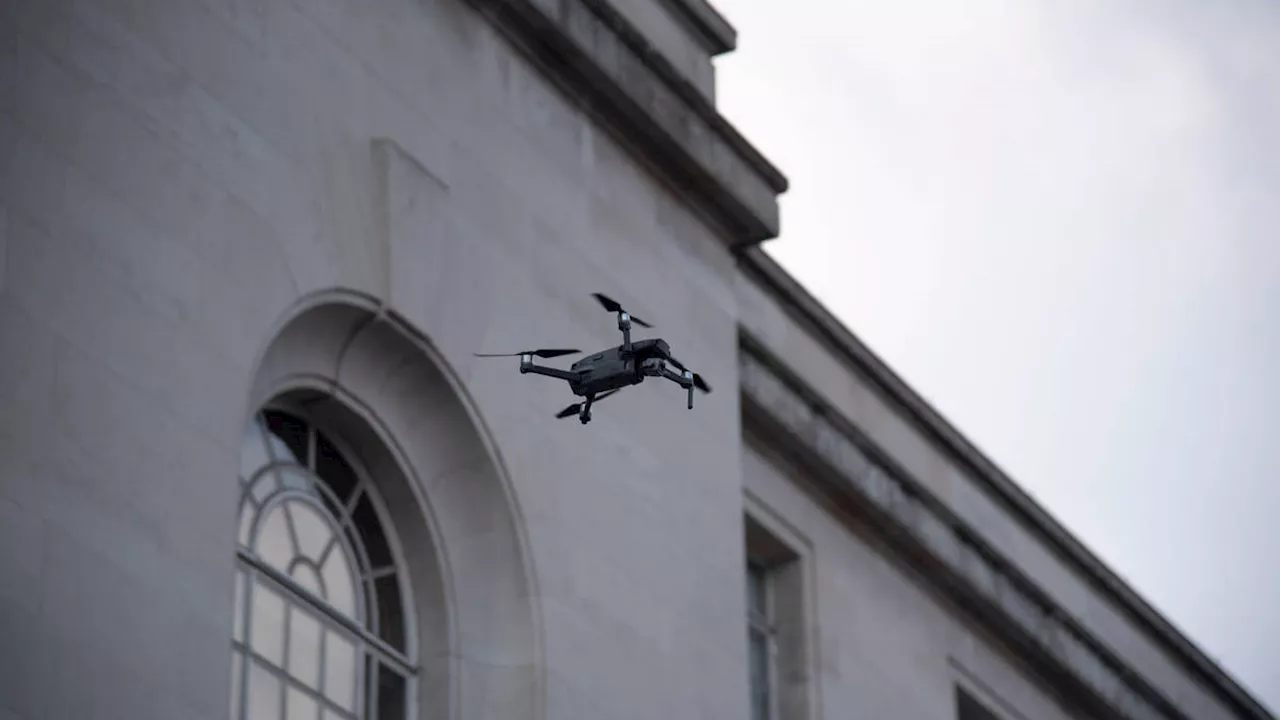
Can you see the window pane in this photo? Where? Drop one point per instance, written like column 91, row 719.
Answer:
column 390, row 615
column 307, row 577
column 295, row 479
column 253, row 451
column 264, row 487
column 274, row 544
column 237, row 616
column 335, row 471
column 267, row 632
column 375, row 543
column 338, row 582
column 287, row 437
column 304, row 648
column 759, row 661
column 237, row 664
column 301, row 706
column 313, row 532
column 339, row 671
column 264, row 694
column 391, row 694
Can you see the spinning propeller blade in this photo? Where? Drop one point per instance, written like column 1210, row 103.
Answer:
column 701, row 384
column 612, row 306
column 576, row 408
column 543, row 353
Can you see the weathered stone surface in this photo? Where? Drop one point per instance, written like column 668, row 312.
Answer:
column 208, row 204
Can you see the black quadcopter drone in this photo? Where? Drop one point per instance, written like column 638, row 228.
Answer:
column 605, row 373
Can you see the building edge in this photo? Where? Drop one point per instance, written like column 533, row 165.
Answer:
column 794, row 297
column 707, row 24
column 609, row 68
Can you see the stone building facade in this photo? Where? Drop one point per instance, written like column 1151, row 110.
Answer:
column 250, row 466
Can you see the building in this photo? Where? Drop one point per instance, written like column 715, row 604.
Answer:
column 262, row 239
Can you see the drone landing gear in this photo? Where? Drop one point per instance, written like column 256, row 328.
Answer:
column 658, row 368
column 584, row 414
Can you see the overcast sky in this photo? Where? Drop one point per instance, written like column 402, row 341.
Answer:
column 1060, row 222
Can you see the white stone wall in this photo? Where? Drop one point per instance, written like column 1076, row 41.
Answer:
column 180, row 178
column 886, row 646
column 176, row 175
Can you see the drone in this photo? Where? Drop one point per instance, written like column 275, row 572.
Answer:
column 598, row 376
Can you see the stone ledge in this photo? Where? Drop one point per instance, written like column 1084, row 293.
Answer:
column 606, row 65
column 845, row 344
column 843, row 465
column 709, row 26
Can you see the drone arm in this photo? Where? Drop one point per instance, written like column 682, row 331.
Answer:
column 684, row 379
column 527, row 366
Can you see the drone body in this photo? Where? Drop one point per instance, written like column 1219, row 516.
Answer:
column 604, row 373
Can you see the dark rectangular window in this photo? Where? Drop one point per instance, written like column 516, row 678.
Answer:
column 760, row 642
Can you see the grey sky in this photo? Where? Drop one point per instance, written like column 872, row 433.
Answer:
column 1060, row 221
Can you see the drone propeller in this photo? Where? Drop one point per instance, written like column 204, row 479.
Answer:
column 701, row 384
column 613, row 307
column 575, row 408
column 544, row 353
column 698, row 382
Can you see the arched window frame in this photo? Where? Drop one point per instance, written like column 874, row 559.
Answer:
column 374, row 650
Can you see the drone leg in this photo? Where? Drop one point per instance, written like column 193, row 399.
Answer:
column 585, row 415
column 684, row 380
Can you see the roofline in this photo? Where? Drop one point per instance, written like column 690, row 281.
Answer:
column 610, row 70
column 918, row 411
column 710, row 28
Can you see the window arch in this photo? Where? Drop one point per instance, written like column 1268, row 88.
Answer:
column 320, row 626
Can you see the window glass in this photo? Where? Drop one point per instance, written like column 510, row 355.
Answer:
column 391, row 693
column 759, row 646
column 301, row 706
column 313, row 532
column 264, row 694
column 304, row 648
column 339, row 671
column 274, row 544
column 339, row 585
column 759, row 643
column 253, row 451
column 266, row 633
column 322, row 536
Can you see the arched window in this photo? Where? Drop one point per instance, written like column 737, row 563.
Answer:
column 320, row 622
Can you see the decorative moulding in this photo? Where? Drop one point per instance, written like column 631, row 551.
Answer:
column 859, row 479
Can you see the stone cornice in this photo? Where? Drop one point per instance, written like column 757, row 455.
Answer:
column 614, row 73
column 802, row 304
column 851, row 472
column 709, row 26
